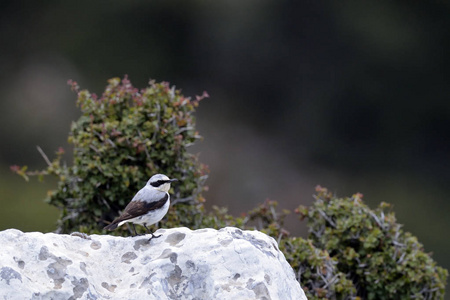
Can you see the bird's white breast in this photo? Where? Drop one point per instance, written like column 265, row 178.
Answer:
column 154, row 216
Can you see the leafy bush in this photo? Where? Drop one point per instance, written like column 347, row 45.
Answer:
column 381, row 260
column 127, row 135
column 317, row 271
column 120, row 140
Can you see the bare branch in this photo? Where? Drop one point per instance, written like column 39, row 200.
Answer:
column 182, row 200
column 44, row 156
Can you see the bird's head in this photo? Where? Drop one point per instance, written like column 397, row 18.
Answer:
column 160, row 182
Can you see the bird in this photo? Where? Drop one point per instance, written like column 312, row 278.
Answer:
column 148, row 206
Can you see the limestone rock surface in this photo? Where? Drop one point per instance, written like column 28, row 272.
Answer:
column 181, row 264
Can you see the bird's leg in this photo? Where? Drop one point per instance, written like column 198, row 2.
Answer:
column 135, row 232
column 153, row 236
column 145, row 226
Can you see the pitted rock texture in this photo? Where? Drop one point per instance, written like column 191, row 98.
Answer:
column 181, row 264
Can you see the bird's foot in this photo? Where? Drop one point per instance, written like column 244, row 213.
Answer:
column 154, row 237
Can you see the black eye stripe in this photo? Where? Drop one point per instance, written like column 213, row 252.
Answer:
column 158, row 183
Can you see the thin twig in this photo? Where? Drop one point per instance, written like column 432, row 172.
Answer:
column 111, row 143
column 331, row 281
column 182, row 200
column 44, row 156
column 95, row 149
column 184, row 129
column 380, row 223
column 324, row 215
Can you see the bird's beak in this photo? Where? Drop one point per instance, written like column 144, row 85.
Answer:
column 173, row 180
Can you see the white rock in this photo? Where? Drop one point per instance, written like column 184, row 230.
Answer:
column 181, row 264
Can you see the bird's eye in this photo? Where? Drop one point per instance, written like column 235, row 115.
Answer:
column 158, row 183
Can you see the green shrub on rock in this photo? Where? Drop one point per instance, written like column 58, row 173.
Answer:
column 317, row 271
column 120, row 140
column 382, row 260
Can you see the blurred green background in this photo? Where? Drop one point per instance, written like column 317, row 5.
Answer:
column 350, row 95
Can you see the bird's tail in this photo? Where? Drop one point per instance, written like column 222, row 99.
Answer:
column 111, row 226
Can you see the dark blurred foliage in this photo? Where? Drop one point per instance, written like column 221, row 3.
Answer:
column 350, row 95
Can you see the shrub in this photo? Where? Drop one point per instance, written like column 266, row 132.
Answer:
column 382, row 260
column 120, row 140
column 317, row 271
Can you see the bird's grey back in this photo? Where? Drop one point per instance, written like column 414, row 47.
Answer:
column 149, row 195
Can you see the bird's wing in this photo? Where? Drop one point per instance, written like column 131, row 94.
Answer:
column 140, row 206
